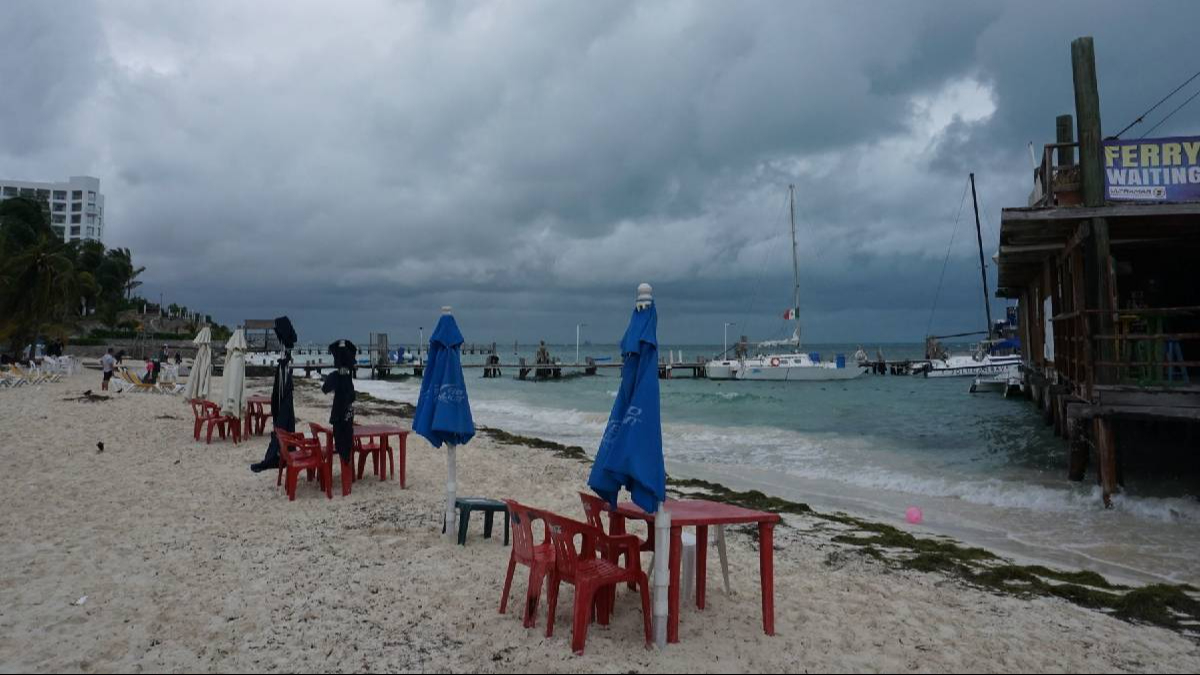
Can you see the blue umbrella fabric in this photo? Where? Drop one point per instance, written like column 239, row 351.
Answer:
column 443, row 412
column 631, row 454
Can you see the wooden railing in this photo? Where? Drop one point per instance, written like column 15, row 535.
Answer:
column 1151, row 358
column 1051, row 179
column 1143, row 351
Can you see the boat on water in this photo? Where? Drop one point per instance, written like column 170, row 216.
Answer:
column 1004, row 383
column 307, row 355
column 991, row 357
column 995, row 358
column 783, row 360
column 796, row 367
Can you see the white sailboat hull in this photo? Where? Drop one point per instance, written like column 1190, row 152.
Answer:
column 721, row 370
column 794, row 368
column 1003, row 383
column 966, row 366
column 800, row 373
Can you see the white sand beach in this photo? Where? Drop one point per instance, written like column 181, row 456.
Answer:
column 191, row 563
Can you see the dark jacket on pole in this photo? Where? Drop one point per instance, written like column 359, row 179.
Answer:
column 283, row 410
column 341, row 384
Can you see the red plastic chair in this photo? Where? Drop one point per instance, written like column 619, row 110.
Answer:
column 256, row 419
column 539, row 558
column 200, row 415
column 319, row 430
column 207, row 412
column 593, row 506
column 296, row 454
column 379, row 452
column 594, row 577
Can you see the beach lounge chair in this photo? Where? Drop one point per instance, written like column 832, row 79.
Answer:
column 127, row 381
column 594, row 576
column 298, row 453
column 13, row 378
column 539, row 558
column 52, row 369
column 38, row 375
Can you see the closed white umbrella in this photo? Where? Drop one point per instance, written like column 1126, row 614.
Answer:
column 201, row 373
column 233, row 402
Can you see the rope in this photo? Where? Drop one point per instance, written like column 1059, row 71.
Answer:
column 1163, row 100
column 744, row 324
column 953, row 233
column 1160, row 122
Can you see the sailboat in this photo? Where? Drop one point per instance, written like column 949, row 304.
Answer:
column 996, row 360
column 788, row 363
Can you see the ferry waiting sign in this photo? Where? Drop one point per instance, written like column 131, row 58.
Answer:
column 1153, row 169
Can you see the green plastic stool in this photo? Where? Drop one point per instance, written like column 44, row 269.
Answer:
column 489, row 507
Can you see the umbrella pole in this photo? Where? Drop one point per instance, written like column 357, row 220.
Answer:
column 662, row 574
column 451, row 492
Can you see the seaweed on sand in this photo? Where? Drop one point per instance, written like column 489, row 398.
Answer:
column 563, row 451
column 1172, row 607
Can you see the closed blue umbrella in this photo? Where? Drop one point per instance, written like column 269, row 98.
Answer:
column 631, row 454
column 443, row 413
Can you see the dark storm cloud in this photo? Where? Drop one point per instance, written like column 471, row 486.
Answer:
column 530, row 163
column 50, row 65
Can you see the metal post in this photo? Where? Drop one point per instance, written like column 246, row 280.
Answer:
column 577, row 327
column 451, row 492
column 987, row 303
column 662, row 573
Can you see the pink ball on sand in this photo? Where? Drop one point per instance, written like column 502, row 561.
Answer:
column 914, row 515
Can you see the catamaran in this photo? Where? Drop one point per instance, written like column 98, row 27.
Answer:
column 788, row 363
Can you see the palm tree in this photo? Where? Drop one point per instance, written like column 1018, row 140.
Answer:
column 41, row 289
column 123, row 257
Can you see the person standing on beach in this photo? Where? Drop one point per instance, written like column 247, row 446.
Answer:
column 107, row 363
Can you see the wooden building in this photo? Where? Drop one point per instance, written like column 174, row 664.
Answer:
column 1109, row 298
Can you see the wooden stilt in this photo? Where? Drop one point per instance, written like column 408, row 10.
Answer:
column 1106, row 449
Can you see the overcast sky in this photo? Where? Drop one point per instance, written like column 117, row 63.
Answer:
column 357, row 166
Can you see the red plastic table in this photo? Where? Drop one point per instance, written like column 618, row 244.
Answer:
column 702, row 514
column 382, row 432
column 256, row 412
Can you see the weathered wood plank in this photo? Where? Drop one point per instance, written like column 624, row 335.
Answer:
column 1024, row 215
column 1106, row 451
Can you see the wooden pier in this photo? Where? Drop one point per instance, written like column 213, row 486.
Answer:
column 1109, row 307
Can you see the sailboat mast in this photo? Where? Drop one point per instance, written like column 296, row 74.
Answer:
column 987, row 305
column 795, row 264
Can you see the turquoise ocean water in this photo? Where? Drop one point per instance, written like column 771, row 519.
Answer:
column 983, row 468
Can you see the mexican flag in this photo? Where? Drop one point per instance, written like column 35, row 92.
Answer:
column 791, row 314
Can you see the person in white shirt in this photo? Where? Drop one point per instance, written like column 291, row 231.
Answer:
column 107, row 363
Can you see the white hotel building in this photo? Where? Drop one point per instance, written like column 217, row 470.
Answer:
column 76, row 207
